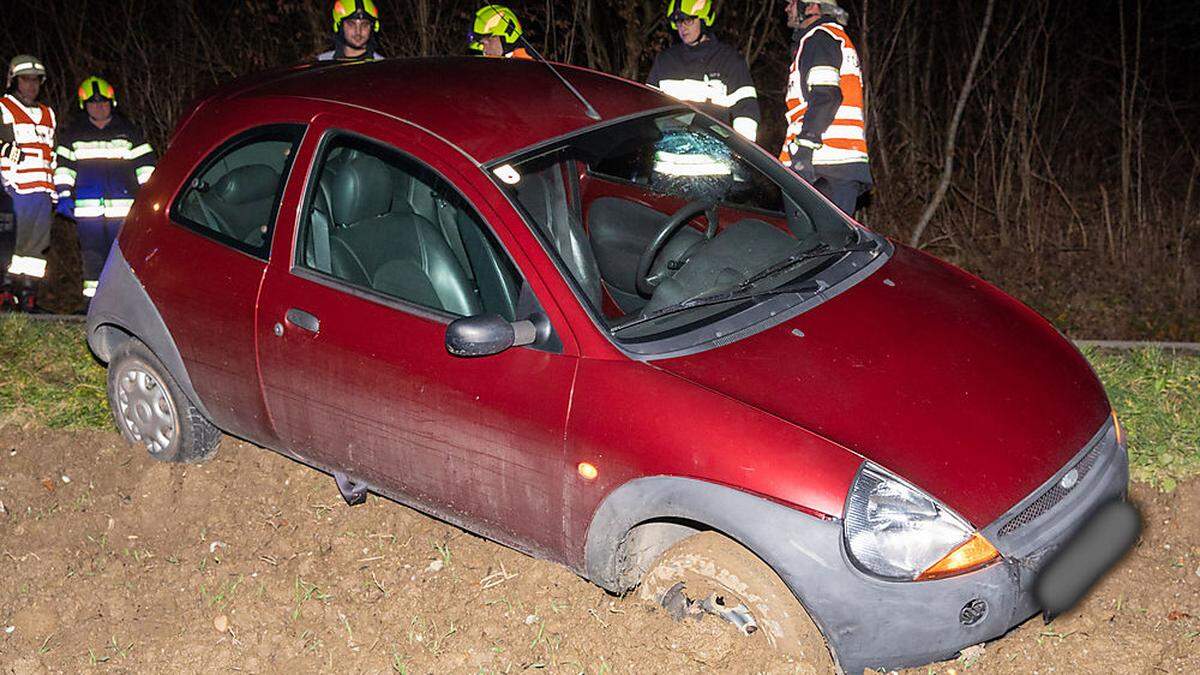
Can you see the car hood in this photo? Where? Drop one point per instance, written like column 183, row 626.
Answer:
column 927, row 371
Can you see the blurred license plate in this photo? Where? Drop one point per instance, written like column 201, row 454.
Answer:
column 1090, row 553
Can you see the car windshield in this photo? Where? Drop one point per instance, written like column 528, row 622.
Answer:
column 671, row 222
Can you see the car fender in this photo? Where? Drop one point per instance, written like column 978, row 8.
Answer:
column 770, row 530
column 122, row 309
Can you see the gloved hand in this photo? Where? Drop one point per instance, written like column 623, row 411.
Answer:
column 66, row 207
column 802, row 164
column 10, row 151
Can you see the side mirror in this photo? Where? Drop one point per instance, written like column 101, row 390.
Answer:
column 489, row 334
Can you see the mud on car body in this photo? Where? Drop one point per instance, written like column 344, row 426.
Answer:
column 636, row 346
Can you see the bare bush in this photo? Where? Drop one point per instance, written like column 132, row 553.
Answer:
column 1075, row 159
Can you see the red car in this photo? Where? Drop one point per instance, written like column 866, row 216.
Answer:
column 607, row 331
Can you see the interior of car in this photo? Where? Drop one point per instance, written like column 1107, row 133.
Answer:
column 236, row 194
column 380, row 221
column 650, row 213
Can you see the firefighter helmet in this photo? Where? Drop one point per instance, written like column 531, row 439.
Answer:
column 97, row 89
column 678, row 10
column 496, row 20
column 24, row 64
column 829, row 8
column 354, row 9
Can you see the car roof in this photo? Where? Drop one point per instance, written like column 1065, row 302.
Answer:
column 490, row 108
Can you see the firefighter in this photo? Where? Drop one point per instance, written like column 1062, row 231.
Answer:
column 355, row 30
column 701, row 69
column 8, row 228
column 826, row 142
column 496, row 32
column 103, row 159
column 28, row 175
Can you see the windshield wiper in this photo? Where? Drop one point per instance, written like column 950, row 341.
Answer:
column 821, row 251
column 735, row 295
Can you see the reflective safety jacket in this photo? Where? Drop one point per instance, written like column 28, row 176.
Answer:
column 33, row 131
column 715, row 77
column 100, row 170
column 825, row 109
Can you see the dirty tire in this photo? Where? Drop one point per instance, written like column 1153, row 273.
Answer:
column 151, row 411
column 709, row 563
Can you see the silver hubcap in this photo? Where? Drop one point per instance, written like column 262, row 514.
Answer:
column 145, row 409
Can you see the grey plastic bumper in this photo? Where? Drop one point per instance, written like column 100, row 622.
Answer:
column 880, row 624
column 868, row 622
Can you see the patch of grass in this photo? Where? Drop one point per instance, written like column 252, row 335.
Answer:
column 48, row 376
column 1157, row 398
column 305, row 591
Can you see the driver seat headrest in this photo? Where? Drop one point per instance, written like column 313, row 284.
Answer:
column 360, row 190
column 247, row 184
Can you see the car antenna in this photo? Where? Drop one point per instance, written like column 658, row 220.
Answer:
column 588, row 109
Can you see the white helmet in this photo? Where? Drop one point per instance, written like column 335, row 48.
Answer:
column 24, row 64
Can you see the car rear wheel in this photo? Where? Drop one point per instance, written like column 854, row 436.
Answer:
column 710, row 573
column 150, row 410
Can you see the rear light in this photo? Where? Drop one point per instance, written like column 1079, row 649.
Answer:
column 969, row 555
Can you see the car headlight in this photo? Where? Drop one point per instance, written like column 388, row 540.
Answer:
column 896, row 531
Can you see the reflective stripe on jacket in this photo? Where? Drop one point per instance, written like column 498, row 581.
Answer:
column 100, row 170
column 35, row 137
column 714, row 76
column 839, row 133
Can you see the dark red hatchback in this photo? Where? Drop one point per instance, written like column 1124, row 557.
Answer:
column 637, row 346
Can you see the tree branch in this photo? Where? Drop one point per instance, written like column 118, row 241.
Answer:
column 952, row 130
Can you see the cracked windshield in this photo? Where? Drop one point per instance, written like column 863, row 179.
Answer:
column 668, row 223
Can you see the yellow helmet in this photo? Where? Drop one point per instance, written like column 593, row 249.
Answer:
column 701, row 9
column 347, row 9
column 96, row 88
column 496, row 20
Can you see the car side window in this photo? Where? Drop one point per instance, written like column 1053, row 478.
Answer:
column 234, row 196
column 382, row 222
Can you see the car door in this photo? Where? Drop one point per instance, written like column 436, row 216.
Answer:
column 352, row 353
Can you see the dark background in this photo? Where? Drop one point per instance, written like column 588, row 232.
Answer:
column 1076, row 162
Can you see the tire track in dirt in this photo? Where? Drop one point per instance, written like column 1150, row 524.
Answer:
column 132, row 565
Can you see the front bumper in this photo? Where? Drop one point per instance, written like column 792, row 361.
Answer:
column 870, row 622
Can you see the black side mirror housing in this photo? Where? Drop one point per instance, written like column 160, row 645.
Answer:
column 489, row 334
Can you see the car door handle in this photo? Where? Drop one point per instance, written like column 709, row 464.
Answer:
column 302, row 319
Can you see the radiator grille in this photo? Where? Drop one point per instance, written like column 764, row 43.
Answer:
column 1050, row 498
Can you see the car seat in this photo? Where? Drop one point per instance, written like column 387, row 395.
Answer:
column 241, row 202
column 544, row 196
column 397, row 253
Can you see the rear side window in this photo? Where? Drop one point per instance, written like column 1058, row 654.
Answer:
column 382, row 222
column 234, row 196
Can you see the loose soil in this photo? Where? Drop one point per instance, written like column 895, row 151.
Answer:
column 251, row 562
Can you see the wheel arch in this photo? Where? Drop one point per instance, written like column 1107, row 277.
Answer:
column 121, row 311
column 644, row 517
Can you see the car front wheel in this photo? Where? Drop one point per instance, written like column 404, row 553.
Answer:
column 150, row 410
column 713, row 574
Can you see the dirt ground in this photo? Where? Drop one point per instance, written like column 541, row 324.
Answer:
column 112, row 561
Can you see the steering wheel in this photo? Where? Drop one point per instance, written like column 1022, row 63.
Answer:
column 647, row 282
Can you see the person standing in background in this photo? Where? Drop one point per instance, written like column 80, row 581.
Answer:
column 28, row 171
column 103, row 160
column 826, row 141
column 701, row 69
column 355, row 29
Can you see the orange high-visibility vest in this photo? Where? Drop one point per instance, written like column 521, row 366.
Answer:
column 845, row 141
column 35, row 172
